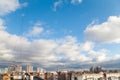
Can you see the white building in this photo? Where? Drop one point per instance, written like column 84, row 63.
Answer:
column 87, row 76
column 3, row 70
column 40, row 70
column 29, row 68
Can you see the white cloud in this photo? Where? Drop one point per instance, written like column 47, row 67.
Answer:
column 25, row 4
column 76, row 1
column 60, row 2
column 71, row 49
column 107, row 32
column 87, row 46
column 98, row 56
column 1, row 25
column 114, row 57
column 56, row 4
column 17, row 48
column 7, row 6
column 41, row 50
column 49, row 51
column 36, row 30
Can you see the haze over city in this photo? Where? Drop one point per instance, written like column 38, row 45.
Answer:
column 69, row 33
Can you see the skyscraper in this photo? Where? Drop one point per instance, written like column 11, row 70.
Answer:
column 29, row 68
column 40, row 70
column 18, row 68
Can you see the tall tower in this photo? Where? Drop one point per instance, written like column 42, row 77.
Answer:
column 29, row 68
column 40, row 70
column 18, row 68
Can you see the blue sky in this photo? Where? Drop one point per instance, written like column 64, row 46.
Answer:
column 74, row 31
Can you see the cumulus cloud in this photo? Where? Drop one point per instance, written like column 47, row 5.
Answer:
column 1, row 25
column 98, row 56
column 107, row 32
column 8, row 6
column 36, row 30
column 44, row 51
column 49, row 52
column 87, row 46
column 71, row 49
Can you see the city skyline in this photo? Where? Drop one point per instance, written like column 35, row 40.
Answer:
column 53, row 33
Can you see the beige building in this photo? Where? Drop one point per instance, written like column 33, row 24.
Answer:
column 40, row 70
column 29, row 68
column 88, row 76
column 18, row 68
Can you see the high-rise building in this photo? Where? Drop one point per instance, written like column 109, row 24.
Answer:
column 96, row 69
column 11, row 68
column 40, row 70
column 18, row 68
column 3, row 70
column 15, row 68
column 29, row 68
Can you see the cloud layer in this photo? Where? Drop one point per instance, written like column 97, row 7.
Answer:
column 50, row 52
column 7, row 6
column 60, row 51
column 107, row 32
